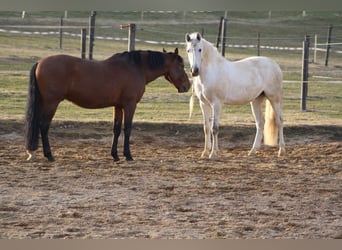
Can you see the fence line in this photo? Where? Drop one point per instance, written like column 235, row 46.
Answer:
column 124, row 39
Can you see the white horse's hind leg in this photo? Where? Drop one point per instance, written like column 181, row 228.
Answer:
column 206, row 112
column 279, row 122
column 259, row 122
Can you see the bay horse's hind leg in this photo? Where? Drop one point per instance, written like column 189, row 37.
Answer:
column 116, row 132
column 259, row 123
column 45, row 121
column 128, row 118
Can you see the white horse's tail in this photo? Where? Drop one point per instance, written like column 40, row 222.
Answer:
column 191, row 102
column 270, row 128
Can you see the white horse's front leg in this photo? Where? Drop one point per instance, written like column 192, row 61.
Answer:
column 216, row 110
column 206, row 112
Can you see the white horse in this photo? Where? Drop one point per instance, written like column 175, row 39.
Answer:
column 217, row 81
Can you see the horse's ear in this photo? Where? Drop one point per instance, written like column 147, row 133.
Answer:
column 176, row 51
column 187, row 37
column 164, row 50
column 198, row 37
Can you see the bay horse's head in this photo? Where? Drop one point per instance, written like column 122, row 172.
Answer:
column 176, row 73
column 194, row 48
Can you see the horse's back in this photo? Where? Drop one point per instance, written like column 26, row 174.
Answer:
column 260, row 62
column 56, row 68
column 259, row 67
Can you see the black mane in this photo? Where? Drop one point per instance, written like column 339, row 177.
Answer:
column 133, row 56
column 155, row 59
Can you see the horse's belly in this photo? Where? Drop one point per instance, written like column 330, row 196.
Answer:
column 92, row 101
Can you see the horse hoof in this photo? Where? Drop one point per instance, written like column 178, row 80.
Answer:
column 281, row 152
column 30, row 155
column 204, row 154
column 252, row 152
column 213, row 156
column 129, row 159
column 51, row 159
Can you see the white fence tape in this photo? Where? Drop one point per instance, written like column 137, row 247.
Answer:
column 245, row 46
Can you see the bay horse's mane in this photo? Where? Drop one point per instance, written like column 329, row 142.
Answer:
column 155, row 59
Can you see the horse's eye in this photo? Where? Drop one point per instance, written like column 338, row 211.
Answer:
column 200, row 50
column 188, row 51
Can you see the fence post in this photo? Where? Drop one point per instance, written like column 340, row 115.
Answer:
column 202, row 32
column 305, row 71
column 258, row 44
column 91, row 33
column 328, row 44
column 60, row 32
column 83, row 42
column 224, row 32
column 219, row 33
column 315, row 49
column 131, row 35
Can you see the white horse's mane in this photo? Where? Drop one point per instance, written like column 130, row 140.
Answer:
column 209, row 47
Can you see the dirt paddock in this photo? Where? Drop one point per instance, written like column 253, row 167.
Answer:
column 168, row 191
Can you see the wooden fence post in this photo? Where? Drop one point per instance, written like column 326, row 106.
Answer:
column 83, row 42
column 60, row 32
column 328, row 44
column 315, row 49
column 258, row 44
column 131, row 35
column 91, row 33
column 305, row 71
column 202, row 32
column 224, row 32
column 219, row 33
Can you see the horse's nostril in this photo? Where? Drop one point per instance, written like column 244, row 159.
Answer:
column 194, row 71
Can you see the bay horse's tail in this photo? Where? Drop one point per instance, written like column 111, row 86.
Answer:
column 271, row 127
column 32, row 114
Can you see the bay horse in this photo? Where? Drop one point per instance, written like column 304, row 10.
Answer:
column 218, row 81
column 118, row 81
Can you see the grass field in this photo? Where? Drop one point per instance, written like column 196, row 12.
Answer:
column 161, row 102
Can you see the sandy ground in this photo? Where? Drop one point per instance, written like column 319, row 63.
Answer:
column 168, row 191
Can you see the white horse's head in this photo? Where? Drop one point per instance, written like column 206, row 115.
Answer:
column 194, row 48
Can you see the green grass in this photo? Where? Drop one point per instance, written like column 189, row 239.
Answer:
column 161, row 102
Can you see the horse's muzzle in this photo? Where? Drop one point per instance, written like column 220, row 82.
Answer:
column 183, row 89
column 194, row 71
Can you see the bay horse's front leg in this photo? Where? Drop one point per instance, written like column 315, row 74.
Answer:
column 128, row 115
column 116, row 132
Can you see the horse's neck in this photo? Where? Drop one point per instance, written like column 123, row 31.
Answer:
column 152, row 74
column 212, row 55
